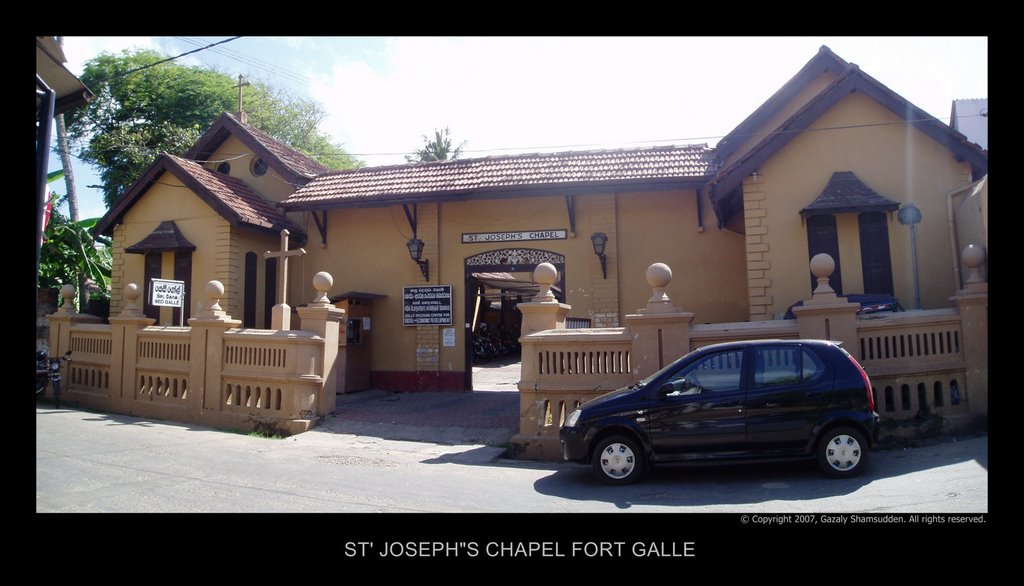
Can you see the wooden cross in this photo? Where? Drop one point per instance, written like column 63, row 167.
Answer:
column 240, row 85
column 281, row 313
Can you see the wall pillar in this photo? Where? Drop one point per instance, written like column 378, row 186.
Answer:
column 660, row 332
column 208, row 352
column 324, row 319
column 544, row 312
column 827, row 316
column 124, row 336
column 972, row 303
column 62, row 320
column 61, row 323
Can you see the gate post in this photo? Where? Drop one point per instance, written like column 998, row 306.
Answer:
column 324, row 319
column 208, row 353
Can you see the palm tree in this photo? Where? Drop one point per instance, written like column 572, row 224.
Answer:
column 439, row 149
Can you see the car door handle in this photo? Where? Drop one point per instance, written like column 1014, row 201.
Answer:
column 771, row 405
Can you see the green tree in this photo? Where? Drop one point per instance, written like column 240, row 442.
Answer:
column 439, row 149
column 69, row 249
column 166, row 107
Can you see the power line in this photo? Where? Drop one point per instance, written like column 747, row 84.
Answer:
column 130, row 71
column 253, row 62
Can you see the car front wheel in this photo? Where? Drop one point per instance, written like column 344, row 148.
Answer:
column 618, row 459
column 843, row 452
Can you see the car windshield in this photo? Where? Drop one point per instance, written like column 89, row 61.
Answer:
column 671, row 366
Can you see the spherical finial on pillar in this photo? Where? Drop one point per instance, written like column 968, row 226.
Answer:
column 215, row 291
column 131, row 293
column 545, row 275
column 322, row 282
column 973, row 257
column 822, row 267
column 659, row 275
column 67, row 291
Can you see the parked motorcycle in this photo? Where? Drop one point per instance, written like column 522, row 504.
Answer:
column 48, row 373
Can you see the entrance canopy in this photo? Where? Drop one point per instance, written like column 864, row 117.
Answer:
column 509, row 283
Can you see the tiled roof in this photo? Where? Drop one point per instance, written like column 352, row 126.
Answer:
column 165, row 237
column 234, row 196
column 845, row 192
column 292, row 158
column 235, row 201
column 504, row 173
column 290, row 163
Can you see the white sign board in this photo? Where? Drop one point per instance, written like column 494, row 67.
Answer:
column 166, row 293
column 471, row 237
column 448, row 334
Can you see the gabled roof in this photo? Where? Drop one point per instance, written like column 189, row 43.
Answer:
column 825, row 60
column 231, row 198
column 725, row 192
column 846, row 193
column 530, row 174
column 166, row 237
column 294, row 166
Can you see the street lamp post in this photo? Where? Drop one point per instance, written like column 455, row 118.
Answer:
column 910, row 215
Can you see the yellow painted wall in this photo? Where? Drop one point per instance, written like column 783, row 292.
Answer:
column 367, row 252
column 244, row 241
column 707, row 267
column 271, row 185
column 169, row 199
column 813, row 89
column 220, row 249
column 896, row 161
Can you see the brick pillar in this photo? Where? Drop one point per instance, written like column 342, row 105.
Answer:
column 325, row 320
column 604, row 292
column 428, row 338
column 117, row 276
column 758, row 262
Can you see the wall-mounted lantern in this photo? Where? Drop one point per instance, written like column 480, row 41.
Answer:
column 416, row 252
column 600, row 239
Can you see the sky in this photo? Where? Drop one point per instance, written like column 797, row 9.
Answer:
column 505, row 95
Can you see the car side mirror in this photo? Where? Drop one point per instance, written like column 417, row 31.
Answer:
column 666, row 390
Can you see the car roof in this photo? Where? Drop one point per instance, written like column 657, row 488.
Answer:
column 770, row 342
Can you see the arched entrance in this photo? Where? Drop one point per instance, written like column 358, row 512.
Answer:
column 496, row 281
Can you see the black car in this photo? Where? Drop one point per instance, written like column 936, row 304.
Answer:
column 740, row 401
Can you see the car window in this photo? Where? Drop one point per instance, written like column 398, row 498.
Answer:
column 813, row 366
column 719, row 372
column 776, row 366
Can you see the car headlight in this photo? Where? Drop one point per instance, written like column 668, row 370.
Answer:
column 571, row 420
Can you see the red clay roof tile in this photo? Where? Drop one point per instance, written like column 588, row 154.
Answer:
column 374, row 184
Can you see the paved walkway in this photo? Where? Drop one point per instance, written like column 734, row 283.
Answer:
column 488, row 415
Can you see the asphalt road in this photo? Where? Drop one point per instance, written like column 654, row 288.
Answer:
column 93, row 462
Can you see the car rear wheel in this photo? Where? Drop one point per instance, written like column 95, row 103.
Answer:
column 843, row 452
column 618, row 459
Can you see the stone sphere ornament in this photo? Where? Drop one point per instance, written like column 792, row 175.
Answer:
column 545, row 275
